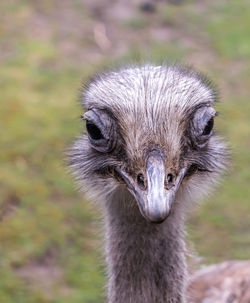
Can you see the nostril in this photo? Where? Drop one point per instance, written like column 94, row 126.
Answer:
column 140, row 181
column 170, row 178
column 170, row 181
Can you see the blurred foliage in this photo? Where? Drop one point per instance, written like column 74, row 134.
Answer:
column 230, row 30
column 49, row 248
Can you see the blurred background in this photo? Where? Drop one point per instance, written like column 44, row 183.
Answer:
column 50, row 247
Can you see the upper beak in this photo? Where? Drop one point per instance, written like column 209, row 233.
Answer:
column 156, row 199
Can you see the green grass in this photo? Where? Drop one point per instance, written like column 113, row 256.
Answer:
column 40, row 208
column 45, row 223
column 139, row 22
column 230, row 31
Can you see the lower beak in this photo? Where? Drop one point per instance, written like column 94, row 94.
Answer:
column 156, row 200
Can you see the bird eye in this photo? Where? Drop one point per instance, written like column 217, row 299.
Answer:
column 93, row 131
column 208, row 128
column 101, row 130
column 202, row 126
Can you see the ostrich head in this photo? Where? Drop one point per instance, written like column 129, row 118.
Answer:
column 149, row 129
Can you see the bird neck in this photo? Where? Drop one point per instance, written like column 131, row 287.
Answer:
column 146, row 262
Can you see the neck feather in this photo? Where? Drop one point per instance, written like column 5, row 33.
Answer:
column 146, row 262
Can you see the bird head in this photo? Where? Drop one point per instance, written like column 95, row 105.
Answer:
column 149, row 129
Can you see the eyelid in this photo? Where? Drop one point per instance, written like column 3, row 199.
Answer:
column 94, row 118
column 84, row 118
column 87, row 116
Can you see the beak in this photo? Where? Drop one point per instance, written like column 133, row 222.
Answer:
column 155, row 200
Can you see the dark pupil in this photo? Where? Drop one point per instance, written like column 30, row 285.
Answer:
column 209, row 127
column 94, row 131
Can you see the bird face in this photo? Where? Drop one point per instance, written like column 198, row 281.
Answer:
column 149, row 129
